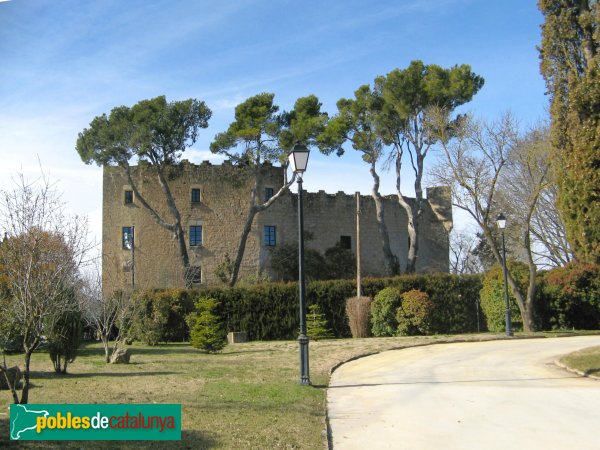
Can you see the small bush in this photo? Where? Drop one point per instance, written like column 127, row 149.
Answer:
column 415, row 313
column 572, row 294
column 161, row 316
column 493, row 303
column 358, row 310
column 63, row 340
column 383, row 311
column 316, row 324
column 207, row 332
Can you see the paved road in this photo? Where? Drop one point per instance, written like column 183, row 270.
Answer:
column 483, row 395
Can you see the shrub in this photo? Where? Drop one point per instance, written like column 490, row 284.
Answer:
column 316, row 324
column 573, row 296
column 207, row 332
column 151, row 316
column 64, row 339
column 358, row 310
column 161, row 316
column 493, row 304
column 414, row 315
column 383, row 311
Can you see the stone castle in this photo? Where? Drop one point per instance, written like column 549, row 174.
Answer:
column 213, row 201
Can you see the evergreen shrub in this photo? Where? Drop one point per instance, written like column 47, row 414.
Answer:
column 493, row 303
column 414, row 315
column 572, row 294
column 161, row 315
column 316, row 324
column 64, row 339
column 383, row 311
column 207, row 331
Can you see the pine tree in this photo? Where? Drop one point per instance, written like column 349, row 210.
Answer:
column 316, row 324
column 207, row 332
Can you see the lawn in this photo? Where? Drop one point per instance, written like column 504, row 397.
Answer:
column 248, row 396
column 586, row 361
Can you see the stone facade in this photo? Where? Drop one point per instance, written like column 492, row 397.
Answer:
column 153, row 260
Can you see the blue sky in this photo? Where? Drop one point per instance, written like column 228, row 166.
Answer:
column 64, row 62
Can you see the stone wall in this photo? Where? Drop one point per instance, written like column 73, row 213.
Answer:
column 225, row 193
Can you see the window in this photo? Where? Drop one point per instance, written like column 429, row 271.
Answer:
column 195, row 235
column 270, row 235
column 346, row 242
column 128, row 197
column 127, row 237
column 195, row 275
column 268, row 194
column 195, row 195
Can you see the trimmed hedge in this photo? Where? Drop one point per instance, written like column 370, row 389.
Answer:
column 572, row 296
column 269, row 311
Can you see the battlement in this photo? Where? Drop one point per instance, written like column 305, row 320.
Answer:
column 212, row 200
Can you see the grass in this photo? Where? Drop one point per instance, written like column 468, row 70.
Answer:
column 586, row 361
column 248, row 396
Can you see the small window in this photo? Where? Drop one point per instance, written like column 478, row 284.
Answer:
column 270, row 235
column 268, row 194
column 195, row 275
column 195, row 235
column 128, row 197
column 127, row 238
column 346, row 242
column 195, row 195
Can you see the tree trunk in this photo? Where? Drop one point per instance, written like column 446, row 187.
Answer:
column 26, row 384
column 175, row 228
column 252, row 212
column 11, row 384
column 411, row 259
column 105, row 345
column 390, row 259
column 242, row 246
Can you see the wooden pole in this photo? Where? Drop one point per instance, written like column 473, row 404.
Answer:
column 358, row 273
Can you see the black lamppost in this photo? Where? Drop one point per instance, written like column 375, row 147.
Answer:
column 299, row 160
column 501, row 222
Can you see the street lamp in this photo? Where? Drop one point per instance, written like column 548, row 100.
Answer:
column 501, row 222
column 298, row 160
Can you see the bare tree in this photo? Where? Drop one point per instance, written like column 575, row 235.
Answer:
column 41, row 253
column 528, row 193
column 462, row 259
column 476, row 154
column 108, row 313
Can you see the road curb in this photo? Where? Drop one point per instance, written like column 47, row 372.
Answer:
column 562, row 365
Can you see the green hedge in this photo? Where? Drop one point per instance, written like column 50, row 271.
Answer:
column 269, row 311
column 571, row 295
column 567, row 297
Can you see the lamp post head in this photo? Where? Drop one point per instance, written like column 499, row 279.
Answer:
column 298, row 158
column 501, row 221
